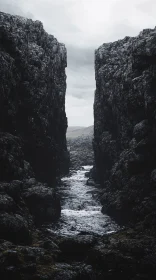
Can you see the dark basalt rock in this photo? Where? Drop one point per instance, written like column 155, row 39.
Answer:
column 75, row 247
column 14, row 228
column 6, row 203
column 32, row 130
column 43, row 203
column 11, row 158
column 128, row 254
column 125, row 126
column 32, row 107
column 32, row 119
column 90, row 182
column 13, row 189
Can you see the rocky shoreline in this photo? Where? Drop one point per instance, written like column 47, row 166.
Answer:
column 128, row 254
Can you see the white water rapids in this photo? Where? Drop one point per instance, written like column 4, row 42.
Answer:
column 81, row 209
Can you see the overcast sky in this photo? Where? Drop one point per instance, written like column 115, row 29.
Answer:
column 83, row 25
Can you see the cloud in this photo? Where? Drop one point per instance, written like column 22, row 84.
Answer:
column 14, row 7
column 83, row 26
column 80, row 72
column 80, row 111
column 148, row 7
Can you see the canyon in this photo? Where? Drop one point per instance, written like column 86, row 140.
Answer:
column 51, row 223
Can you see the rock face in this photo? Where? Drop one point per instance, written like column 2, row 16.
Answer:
column 125, row 126
column 32, row 92
column 33, row 125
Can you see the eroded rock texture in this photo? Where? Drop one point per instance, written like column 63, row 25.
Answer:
column 125, row 126
column 33, row 124
column 32, row 93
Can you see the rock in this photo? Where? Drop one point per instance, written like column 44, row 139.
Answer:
column 153, row 177
column 29, row 183
column 43, row 203
column 77, row 246
column 123, row 254
column 11, row 157
column 141, row 130
column 14, row 228
column 50, row 245
column 13, row 189
column 34, row 64
column 90, row 182
column 125, row 126
column 33, row 146
column 7, row 204
column 143, row 147
column 87, row 174
column 28, row 171
column 65, row 271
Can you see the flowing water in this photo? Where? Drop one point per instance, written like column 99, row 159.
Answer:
column 81, row 209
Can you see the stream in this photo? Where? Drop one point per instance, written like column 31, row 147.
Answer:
column 81, row 208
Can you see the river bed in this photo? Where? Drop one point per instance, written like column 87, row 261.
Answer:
column 81, row 208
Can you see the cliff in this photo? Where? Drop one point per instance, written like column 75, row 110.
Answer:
column 33, row 125
column 125, row 127
column 32, row 94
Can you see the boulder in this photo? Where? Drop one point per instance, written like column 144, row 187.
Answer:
column 141, row 130
column 87, row 174
column 13, row 189
column 43, row 203
column 90, row 182
column 76, row 246
column 11, row 157
column 7, row 204
column 14, row 228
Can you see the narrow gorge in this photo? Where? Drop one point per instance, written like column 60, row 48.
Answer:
column 84, row 222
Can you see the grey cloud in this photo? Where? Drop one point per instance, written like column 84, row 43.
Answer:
column 80, row 56
column 123, row 28
column 148, row 7
column 80, row 72
column 14, row 7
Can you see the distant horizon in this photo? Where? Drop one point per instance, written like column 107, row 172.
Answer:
column 80, row 125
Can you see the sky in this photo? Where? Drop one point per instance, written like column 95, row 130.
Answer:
column 84, row 25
